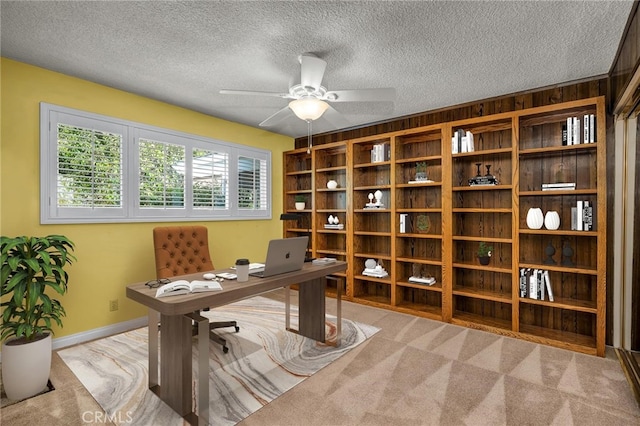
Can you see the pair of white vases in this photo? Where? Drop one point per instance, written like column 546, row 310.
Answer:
column 535, row 219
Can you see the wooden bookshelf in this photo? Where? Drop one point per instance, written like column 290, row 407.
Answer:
column 446, row 219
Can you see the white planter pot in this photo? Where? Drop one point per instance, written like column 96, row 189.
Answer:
column 535, row 219
column 552, row 220
column 300, row 206
column 26, row 368
column 332, row 184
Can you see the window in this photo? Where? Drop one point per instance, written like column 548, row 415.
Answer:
column 101, row 169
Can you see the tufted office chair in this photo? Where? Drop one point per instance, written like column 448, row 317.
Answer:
column 183, row 250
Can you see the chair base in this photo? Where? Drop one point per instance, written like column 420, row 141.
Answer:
column 216, row 338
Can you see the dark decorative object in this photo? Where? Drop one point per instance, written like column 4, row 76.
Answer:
column 487, row 179
column 567, row 254
column 550, row 251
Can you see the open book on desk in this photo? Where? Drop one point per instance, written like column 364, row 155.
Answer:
column 185, row 287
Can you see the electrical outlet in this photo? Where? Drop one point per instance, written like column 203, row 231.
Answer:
column 113, row 305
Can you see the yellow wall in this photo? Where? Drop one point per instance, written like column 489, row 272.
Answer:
column 111, row 256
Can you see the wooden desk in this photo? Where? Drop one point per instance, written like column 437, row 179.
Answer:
column 177, row 314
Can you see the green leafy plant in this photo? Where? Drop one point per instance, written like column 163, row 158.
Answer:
column 300, row 199
column 30, row 265
column 423, row 223
column 484, row 249
column 421, row 167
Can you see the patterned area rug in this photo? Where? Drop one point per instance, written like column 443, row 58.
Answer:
column 263, row 362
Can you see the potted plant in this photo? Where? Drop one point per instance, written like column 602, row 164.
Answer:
column 484, row 253
column 423, row 223
column 30, row 266
column 421, row 171
column 300, row 202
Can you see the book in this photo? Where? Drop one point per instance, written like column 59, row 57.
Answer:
column 569, row 131
column 564, row 134
column 585, row 126
column 574, row 218
column 178, row 287
column 592, row 128
column 547, row 283
column 523, row 282
column 558, row 186
column 533, row 285
column 580, row 217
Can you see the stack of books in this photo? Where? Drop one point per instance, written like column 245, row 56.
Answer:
column 380, row 152
column 422, row 280
column 558, row 186
column 333, row 226
column 323, row 261
column 375, row 272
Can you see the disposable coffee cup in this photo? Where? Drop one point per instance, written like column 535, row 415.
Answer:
column 242, row 270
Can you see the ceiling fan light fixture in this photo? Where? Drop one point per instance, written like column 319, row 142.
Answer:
column 308, row 109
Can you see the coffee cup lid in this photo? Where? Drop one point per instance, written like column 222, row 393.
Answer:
column 242, row 262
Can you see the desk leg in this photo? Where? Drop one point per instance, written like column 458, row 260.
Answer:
column 153, row 328
column 203, row 367
column 175, row 368
column 312, row 309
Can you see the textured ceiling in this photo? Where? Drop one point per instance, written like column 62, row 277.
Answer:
column 434, row 53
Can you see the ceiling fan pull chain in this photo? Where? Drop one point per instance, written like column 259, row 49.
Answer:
column 309, row 136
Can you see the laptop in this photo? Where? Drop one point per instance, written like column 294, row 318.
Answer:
column 283, row 255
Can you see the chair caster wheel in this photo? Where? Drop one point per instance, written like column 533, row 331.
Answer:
column 237, row 329
column 225, row 349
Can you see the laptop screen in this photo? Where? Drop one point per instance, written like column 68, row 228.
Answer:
column 284, row 255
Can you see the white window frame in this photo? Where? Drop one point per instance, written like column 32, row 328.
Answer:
column 50, row 213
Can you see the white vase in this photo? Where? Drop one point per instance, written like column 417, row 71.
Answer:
column 552, row 220
column 26, row 368
column 300, row 205
column 535, row 219
column 332, row 184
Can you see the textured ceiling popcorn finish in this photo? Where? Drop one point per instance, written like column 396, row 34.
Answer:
column 434, row 53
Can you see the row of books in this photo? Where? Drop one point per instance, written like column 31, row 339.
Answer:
column 582, row 216
column 380, row 152
column 462, row 142
column 573, row 133
column 535, row 284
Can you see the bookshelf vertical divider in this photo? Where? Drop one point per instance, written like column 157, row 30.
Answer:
column 446, row 219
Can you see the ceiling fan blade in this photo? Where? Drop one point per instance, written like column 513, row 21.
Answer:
column 256, row 93
column 311, row 71
column 361, row 95
column 277, row 117
column 335, row 118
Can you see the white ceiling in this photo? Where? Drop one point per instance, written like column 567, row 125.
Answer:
column 434, row 53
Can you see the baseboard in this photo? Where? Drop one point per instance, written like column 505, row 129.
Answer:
column 98, row 333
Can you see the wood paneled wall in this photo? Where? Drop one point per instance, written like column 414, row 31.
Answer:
column 627, row 58
column 513, row 102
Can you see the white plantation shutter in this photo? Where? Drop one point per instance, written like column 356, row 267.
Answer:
column 210, row 180
column 252, row 184
column 101, row 169
column 161, row 185
column 89, row 171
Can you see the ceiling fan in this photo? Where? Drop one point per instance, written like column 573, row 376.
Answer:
column 310, row 100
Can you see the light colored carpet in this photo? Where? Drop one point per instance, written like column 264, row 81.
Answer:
column 263, row 362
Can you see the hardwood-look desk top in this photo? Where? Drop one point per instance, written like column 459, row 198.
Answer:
column 232, row 290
